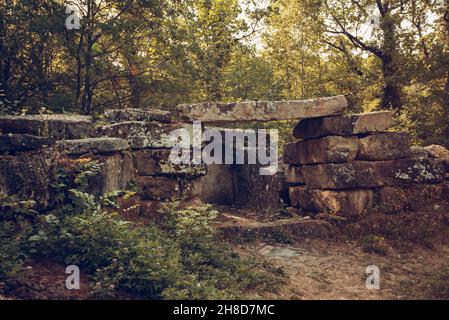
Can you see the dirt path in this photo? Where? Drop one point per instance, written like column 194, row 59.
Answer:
column 320, row 270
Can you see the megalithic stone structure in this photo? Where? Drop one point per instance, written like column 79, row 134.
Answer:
column 211, row 112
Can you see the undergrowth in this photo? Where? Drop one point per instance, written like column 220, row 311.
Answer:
column 177, row 259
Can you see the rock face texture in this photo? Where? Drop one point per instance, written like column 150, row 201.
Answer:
column 146, row 115
column 344, row 125
column 384, row 146
column 59, row 127
column 364, row 174
column 262, row 110
column 92, row 145
column 148, row 133
column 27, row 175
column 150, row 162
column 440, row 153
column 13, row 143
column 332, row 149
column 116, row 173
column 343, row 203
column 217, row 186
column 253, row 191
column 143, row 135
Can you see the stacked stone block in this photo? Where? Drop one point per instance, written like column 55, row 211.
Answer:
column 34, row 147
column 147, row 131
column 113, row 156
column 344, row 165
column 27, row 154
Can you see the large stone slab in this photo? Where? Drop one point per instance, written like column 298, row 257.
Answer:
column 344, row 125
column 141, row 135
column 129, row 114
column 157, row 162
column 255, row 191
column 333, row 149
column 165, row 188
column 12, row 143
column 27, row 175
column 420, row 197
column 385, row 146
column 365, row 174
column 342, row 203
column 217, row 186
column 58, row 126
column 92, row 145
column 440, row 153
column 294, row 175
column 342, row 176
column 262, row 110
column 409, row 171
column 116, row 173
column 417, row 152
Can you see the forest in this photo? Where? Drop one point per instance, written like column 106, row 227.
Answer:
column 383, row 54
column 354, row 204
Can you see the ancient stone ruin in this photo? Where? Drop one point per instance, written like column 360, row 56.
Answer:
column 341, row 164
column 345, row 165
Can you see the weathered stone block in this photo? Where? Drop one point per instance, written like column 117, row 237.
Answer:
column 27, row 175
column 351, row 175
column 141, row 135
column 116, row 172
column 419, row 153
column 364, row 174
column 12, row 143
column 384, row 146
column 341, row 203
column 440, row 153
column 344, row 125
column 255, row 191
column 92, row 145
column 332, row 149
column 410, row 171
column 129, row 114
column 294, row 175
column 157, row 162
column 262, row 111
column 59, row 126
column 420, row 197
column 217, row 186
column 159, row 188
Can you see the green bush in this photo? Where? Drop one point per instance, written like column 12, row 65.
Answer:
column 179, row 259
column 176, row 259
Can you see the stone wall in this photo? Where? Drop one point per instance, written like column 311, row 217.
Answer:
column 131, row 151
column 343, row 165
column 346, row 165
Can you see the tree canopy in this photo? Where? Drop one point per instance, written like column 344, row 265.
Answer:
column 383, row 54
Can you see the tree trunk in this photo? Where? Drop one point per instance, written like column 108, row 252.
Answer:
column 133, row 77
column 86, row 103
column 392, row 89
column 446, row 87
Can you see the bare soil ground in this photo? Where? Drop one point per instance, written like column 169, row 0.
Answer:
column 319, row 270
column 322, row 262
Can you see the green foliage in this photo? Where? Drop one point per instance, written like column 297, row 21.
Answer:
column 11, row 256
column 11, row 207
column 178, row 259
